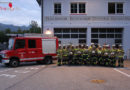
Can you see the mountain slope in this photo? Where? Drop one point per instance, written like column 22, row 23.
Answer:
column 12, row 27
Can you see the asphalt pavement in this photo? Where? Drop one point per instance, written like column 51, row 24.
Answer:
column 52, row 77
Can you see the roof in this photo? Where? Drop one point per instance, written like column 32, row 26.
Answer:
column 36, row 37
column 39, row 2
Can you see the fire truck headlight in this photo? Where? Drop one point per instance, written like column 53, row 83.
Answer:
column 4, row 55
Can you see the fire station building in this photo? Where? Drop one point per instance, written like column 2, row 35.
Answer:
column 88, row 21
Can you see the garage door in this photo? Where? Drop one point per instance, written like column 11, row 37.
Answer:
column 71, row 35
column 107, row 35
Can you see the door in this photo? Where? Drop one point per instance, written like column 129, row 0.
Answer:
column 32, row 50
column 49, row 46
column 20, row 49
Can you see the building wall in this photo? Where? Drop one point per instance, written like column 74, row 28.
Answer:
column 93, row 7
column 96, row 16
column 126, row 41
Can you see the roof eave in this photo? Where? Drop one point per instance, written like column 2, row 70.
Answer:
column 39, row 2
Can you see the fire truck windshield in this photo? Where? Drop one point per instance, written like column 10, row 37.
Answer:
column 11, row 43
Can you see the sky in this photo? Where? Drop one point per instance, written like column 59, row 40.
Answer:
column 24, row 11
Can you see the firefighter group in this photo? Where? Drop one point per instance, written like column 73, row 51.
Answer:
column 93, row 55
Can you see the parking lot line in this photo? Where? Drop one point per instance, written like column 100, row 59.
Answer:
column 122, row 72
column 8, row 75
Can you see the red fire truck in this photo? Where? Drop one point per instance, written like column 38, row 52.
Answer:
column 28, row 49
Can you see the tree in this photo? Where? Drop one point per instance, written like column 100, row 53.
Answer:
column 7, row 31
column 19, row 31
column 3, row 37
column 34, row 23
column 34, row 27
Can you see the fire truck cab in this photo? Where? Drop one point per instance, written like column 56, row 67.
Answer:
column 28, row 49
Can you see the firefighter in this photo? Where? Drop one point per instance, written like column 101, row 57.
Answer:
column 112, row 59
column 113, row 56
column 59, row 54
column 81, row 49
column 78, row 55
column 93, row 55
column 71, row 55
column 92, row 45
column 103, row 55
column 65, row 53
column 90, row 52
column 99, row 52
column 106, row 55
column 120, row 54
column 75, row 58
column 85, row 56
column 79, row 58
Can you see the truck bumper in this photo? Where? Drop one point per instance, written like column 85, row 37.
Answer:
column 5, row 61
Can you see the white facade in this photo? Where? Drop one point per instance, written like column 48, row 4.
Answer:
column 96, row 16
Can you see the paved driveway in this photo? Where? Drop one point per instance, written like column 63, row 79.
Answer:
column 52, row 77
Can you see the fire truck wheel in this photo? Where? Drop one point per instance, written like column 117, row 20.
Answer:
column 14, row 63
column 48, row 60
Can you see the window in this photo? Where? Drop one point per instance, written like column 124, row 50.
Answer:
column 78, row 8
column 102, row 30
column 57, row 8
column 94, row 35
column 94, row 30
column 118, row 35
column 94, row 40
column 74, row 8
column 102, row 35
column 110, row 30
column 74, row 35
column 118, row 41
column 82, row 35
column 82, row 41
column 66, row 35
column 74, row 30
column 82, row 30
column 66, row 30
column 115, row 8
column 31, row 43
column 58, row 35
column 111, row 8
column 118, row 30
column 20, row 44
column 82, row 8
column 110, row 35
column 57, row 30
column 119, row 8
